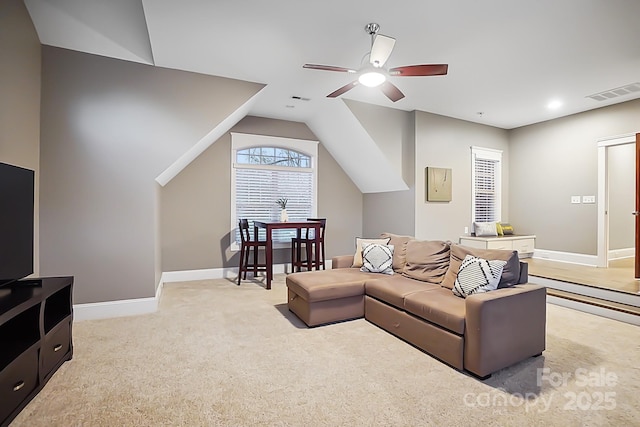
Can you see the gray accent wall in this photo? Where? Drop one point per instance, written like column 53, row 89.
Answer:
column 20, row 70
column 445, row 142
column 550, row 162
column 196, row 204
column 109, row 128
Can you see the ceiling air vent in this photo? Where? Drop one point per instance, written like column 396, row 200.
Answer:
column 633, row 88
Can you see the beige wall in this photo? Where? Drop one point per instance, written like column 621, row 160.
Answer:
column 196, row 204
column 445, row 142
column 20, row 70
column 394, row 132
column 554, row 160
column 109, row 128
column 341, row 202
column 392, row 212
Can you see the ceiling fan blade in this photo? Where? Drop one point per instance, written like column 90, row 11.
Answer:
column 392, row 92
column 420, row 70
column 343, row 89
column 381, row 49
column 328, row 68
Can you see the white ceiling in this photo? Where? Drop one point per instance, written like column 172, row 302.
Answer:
column 507, row 58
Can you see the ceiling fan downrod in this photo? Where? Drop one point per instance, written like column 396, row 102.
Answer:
column 372, row 29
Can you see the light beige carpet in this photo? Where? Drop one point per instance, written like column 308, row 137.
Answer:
column 216, row 354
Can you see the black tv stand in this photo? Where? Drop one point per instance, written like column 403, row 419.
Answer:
column 35, row 337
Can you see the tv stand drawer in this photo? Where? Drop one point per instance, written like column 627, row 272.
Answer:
column 56, row 345
column 18, row 380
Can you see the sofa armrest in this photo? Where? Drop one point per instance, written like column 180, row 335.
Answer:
column 342, row 261
column 504, row 327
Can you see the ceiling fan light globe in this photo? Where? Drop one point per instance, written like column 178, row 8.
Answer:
column 372, row 78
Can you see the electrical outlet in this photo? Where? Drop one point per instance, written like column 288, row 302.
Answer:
column 575, row 199
column 588, row 199
column 466, row 230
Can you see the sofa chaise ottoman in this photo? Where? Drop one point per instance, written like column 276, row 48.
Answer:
column 481, row 334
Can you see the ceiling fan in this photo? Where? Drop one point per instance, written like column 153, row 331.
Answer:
column 374, row 74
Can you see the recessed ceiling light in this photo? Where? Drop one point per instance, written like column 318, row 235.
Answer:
column 554, row 105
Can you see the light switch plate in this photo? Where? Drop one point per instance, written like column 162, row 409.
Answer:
column 575, row 199
column 588, row 199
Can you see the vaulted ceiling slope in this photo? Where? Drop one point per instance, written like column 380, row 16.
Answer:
column 507, row 59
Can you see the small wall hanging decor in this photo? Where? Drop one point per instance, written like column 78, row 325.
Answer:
column 438, row 184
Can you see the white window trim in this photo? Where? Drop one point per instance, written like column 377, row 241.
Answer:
column 241, row 141
column 487, row 154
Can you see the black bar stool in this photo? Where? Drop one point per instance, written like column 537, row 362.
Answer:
column 304, row 237
column 247, row 243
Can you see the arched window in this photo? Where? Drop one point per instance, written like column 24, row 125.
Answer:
column 266, row 169
column 273, row 156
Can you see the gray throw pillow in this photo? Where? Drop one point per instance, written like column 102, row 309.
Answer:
column 485, row 229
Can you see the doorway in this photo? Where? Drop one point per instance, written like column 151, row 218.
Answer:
column 617, row 198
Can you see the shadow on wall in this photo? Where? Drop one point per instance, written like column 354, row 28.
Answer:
column 232, row 260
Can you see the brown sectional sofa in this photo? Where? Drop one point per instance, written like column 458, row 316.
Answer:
column 481, row 334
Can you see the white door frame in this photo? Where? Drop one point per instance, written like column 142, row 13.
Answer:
column 603, row 192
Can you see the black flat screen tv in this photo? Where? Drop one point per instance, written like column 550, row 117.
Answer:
column 16, row 223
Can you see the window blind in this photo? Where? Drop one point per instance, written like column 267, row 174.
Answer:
column 485, row 190
column 486, row 175
column 258, row 189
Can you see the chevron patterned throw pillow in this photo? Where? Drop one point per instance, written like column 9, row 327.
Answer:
column 477, row 275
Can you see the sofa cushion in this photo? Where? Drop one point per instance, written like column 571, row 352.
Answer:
column 427, row 260
column 393, row 289
column 357, row 257
column 377, row 258
column 438, row 306
column 477, row 275
column 324, row 285
column 510, row 272
column 400, row 249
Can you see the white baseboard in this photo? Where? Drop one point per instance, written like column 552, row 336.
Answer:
column 204, row 274
column 217, row 273
column 570, row 257
column 120, row 308
column 133, row 307
column 574, row 258
column 209, row 273
column 621, row 253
